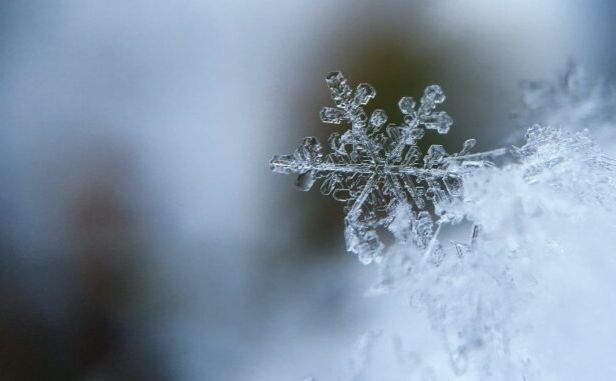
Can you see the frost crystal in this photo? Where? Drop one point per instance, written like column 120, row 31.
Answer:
column 379, row 171
column 533, row 214
column 569, row 162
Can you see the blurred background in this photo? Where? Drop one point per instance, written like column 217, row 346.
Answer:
column 142, row 236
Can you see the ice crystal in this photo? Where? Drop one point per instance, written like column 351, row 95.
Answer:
column 531, row 212
column 568, row 161
column 378, row 169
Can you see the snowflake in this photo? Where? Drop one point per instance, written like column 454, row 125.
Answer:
column 379, row 171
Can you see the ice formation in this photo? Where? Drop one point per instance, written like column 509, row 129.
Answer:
column 379, row 171
column 546, row 213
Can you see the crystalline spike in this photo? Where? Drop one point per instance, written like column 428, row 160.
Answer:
column 334, row 79
column 432, row 97
column 467, row 146
column 358, row 119
column 330, row 184
column 334, row 141
column 376, row 168
column 407, row 105
column 410, row 156
column 378, row 118
column 453, row 184
column 363, row 94
column 533, row 132
column 331, row 115
column 422, row 229
column 395, row 133
column 368, row 246
column 284, row 164
column 310, row 149
column 338, row 85
column 415, row 134
column 436, row 154
column 439, row 121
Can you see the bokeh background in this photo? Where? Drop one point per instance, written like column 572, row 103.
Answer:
column 142, row 236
